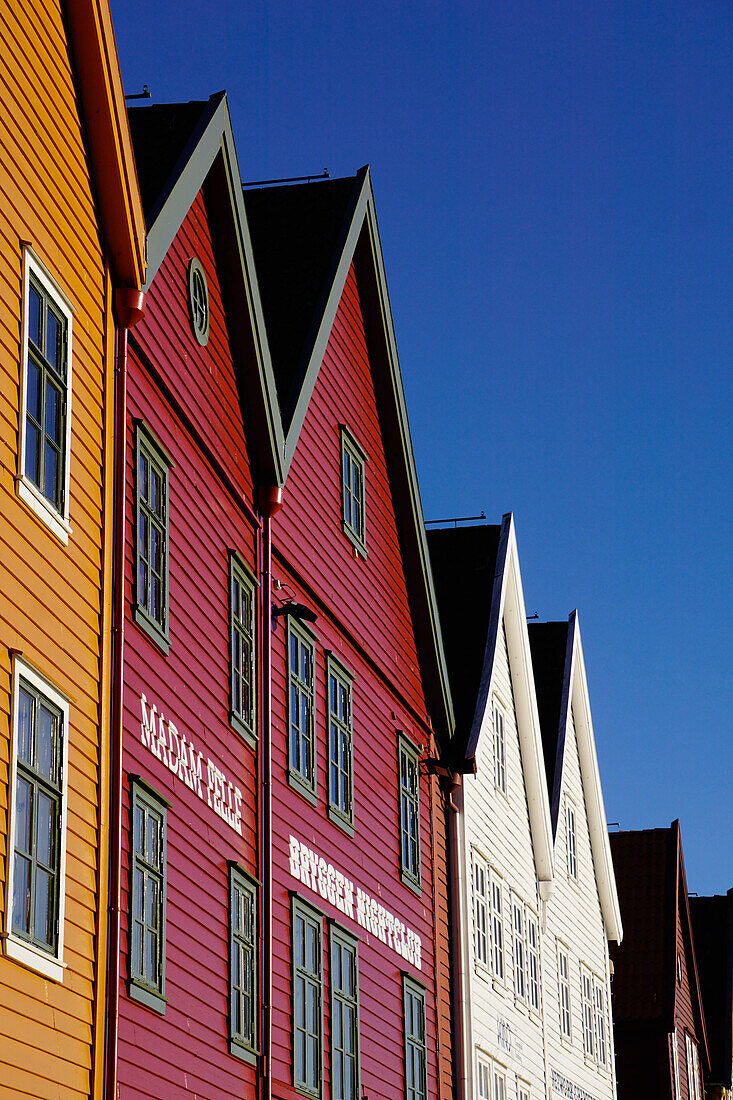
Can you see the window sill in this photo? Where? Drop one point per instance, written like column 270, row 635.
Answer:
column 499, row 986
column 358, row 544
column 243, row 1052
column 343, row 822
column 296, row 781
column 147, row 997
column 151, row 628
column 32, row 957
column 242, row 729
column 413, row 884
column 42, row 509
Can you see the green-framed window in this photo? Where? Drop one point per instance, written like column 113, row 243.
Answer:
column 344, row 1015
column 301, row 711
column 416, row 1051
column 353, row 498
column 340, row 746
column 243, row 650
column 307, row 948
column 151, row 537
column 148, row 883
column 242, row 965
column 409, row 781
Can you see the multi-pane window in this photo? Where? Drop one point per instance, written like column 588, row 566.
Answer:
column 572, row 842
column 563, row 979
column 693, row 1069
column 499, row 750
column 499, row 1092
column 483, row 1073
column 497, row 928
column 520, row 959
column 340, row 746
column 301, row 705
column 416, row 1054
column 588, row 1007
column 307, row 999
column 38, row 805
column 151, row 543
column 242, row 964
column 481, row 910
column 242, row 650
column 533, row 963
column 46, row 399
column 352, row 491
column 523, row 1092
column 409, row 775
column 344, row 1016
column 148, row 898
column 601, row 1030
column 198, row 301
column 675, row 1065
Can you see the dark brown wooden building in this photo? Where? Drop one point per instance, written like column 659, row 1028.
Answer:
column 712, row 924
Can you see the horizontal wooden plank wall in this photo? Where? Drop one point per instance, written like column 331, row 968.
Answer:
column 50, row 595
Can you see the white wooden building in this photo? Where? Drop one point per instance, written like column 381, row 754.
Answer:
column 522, row 909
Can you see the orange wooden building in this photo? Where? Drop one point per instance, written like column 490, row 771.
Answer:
column 71, row 238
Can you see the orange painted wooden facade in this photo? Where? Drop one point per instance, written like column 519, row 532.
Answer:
column 63, row 132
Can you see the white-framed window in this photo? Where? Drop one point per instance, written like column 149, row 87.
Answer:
column 563, row 985
column 533, row 962
column 499, row 749
column 675, row 1065
column 481, row 912
column 519, row 949
column 491, row 1078
column 483, row 1076
column 45, row 398
column 353, row 493
column 523, row 1090
column 693, row 1069
column 36, row 879
column 571, row 841
column 601, row 1026
column 588, row 1010
column 497, row 927
column 499, row 1083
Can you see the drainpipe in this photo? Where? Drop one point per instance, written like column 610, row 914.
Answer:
column 129, row 308
column 271, row 501
column 456, row 925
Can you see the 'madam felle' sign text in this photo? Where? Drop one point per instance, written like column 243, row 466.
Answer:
column 182, row 758
column 323, row 878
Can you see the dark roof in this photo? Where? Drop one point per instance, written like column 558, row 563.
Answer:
column 298, row 233
column 712, row 925
column 548, row 645
column 463, row 561
column 162, row 137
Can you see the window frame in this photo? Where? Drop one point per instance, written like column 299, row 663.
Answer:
column 602, row 1027
column 534, row 980
column 408, row 751
column 350, row 449
column 499, row 722
column 18, row 947
column 571, row 840
column 297, row 780
column 196, row 272
column 519, row 949
column 482, row 936
column 498, row 946
column 588, row 1013
column 415, row 989
column 344, row 679
column 48, row 511
column 565, row 1006
column 675, row 1065
column 139, row 988
column 339, row 937
column 308, row 913
column 242, row 1045
column 147, row 444
column 692, row 1062
column 239, row 574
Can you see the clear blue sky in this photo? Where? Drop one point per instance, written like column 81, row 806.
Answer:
column 553, row 185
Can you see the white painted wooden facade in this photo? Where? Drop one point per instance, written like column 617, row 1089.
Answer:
column 512, row 856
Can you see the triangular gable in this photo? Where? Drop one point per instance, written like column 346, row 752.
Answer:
column 506, row 607
column 575, row 703
column 181, row 148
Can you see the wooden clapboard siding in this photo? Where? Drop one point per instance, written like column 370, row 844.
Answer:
column 187, row 1047
column 53, row 597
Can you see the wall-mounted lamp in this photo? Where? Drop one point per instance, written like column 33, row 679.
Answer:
column 297, row 610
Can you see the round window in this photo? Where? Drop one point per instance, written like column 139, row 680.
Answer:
column 198, row 302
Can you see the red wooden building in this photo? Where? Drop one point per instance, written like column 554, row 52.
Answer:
column 280, row 854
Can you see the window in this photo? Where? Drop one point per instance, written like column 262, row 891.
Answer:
column 198, row 302
column 243, row 686
column 416, row 1052
column 148, row 897
column 344, row 1016
column 482, row 908
column 563, row 977
column 352, row 491
column 340, row 747
column 151, row 544
column 497, row 928
column 499, row 750
column 601, row 1041
column 242, row 965
column 301, row 705
column 675, row 1065
column 533, row 963
column 520, row 969
column 572, row 842
column 307, row 998
column 499, row 1084
column 586, row 991
column 409, row 812
column 693, row 1069
column 38, row 783
column 45, row 405
column 523, row 1092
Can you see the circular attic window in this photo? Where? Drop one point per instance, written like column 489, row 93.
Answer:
column 198, row 302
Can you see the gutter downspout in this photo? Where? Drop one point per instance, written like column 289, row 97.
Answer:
column 129, row 308
column 271, row 501
column 456, row 926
